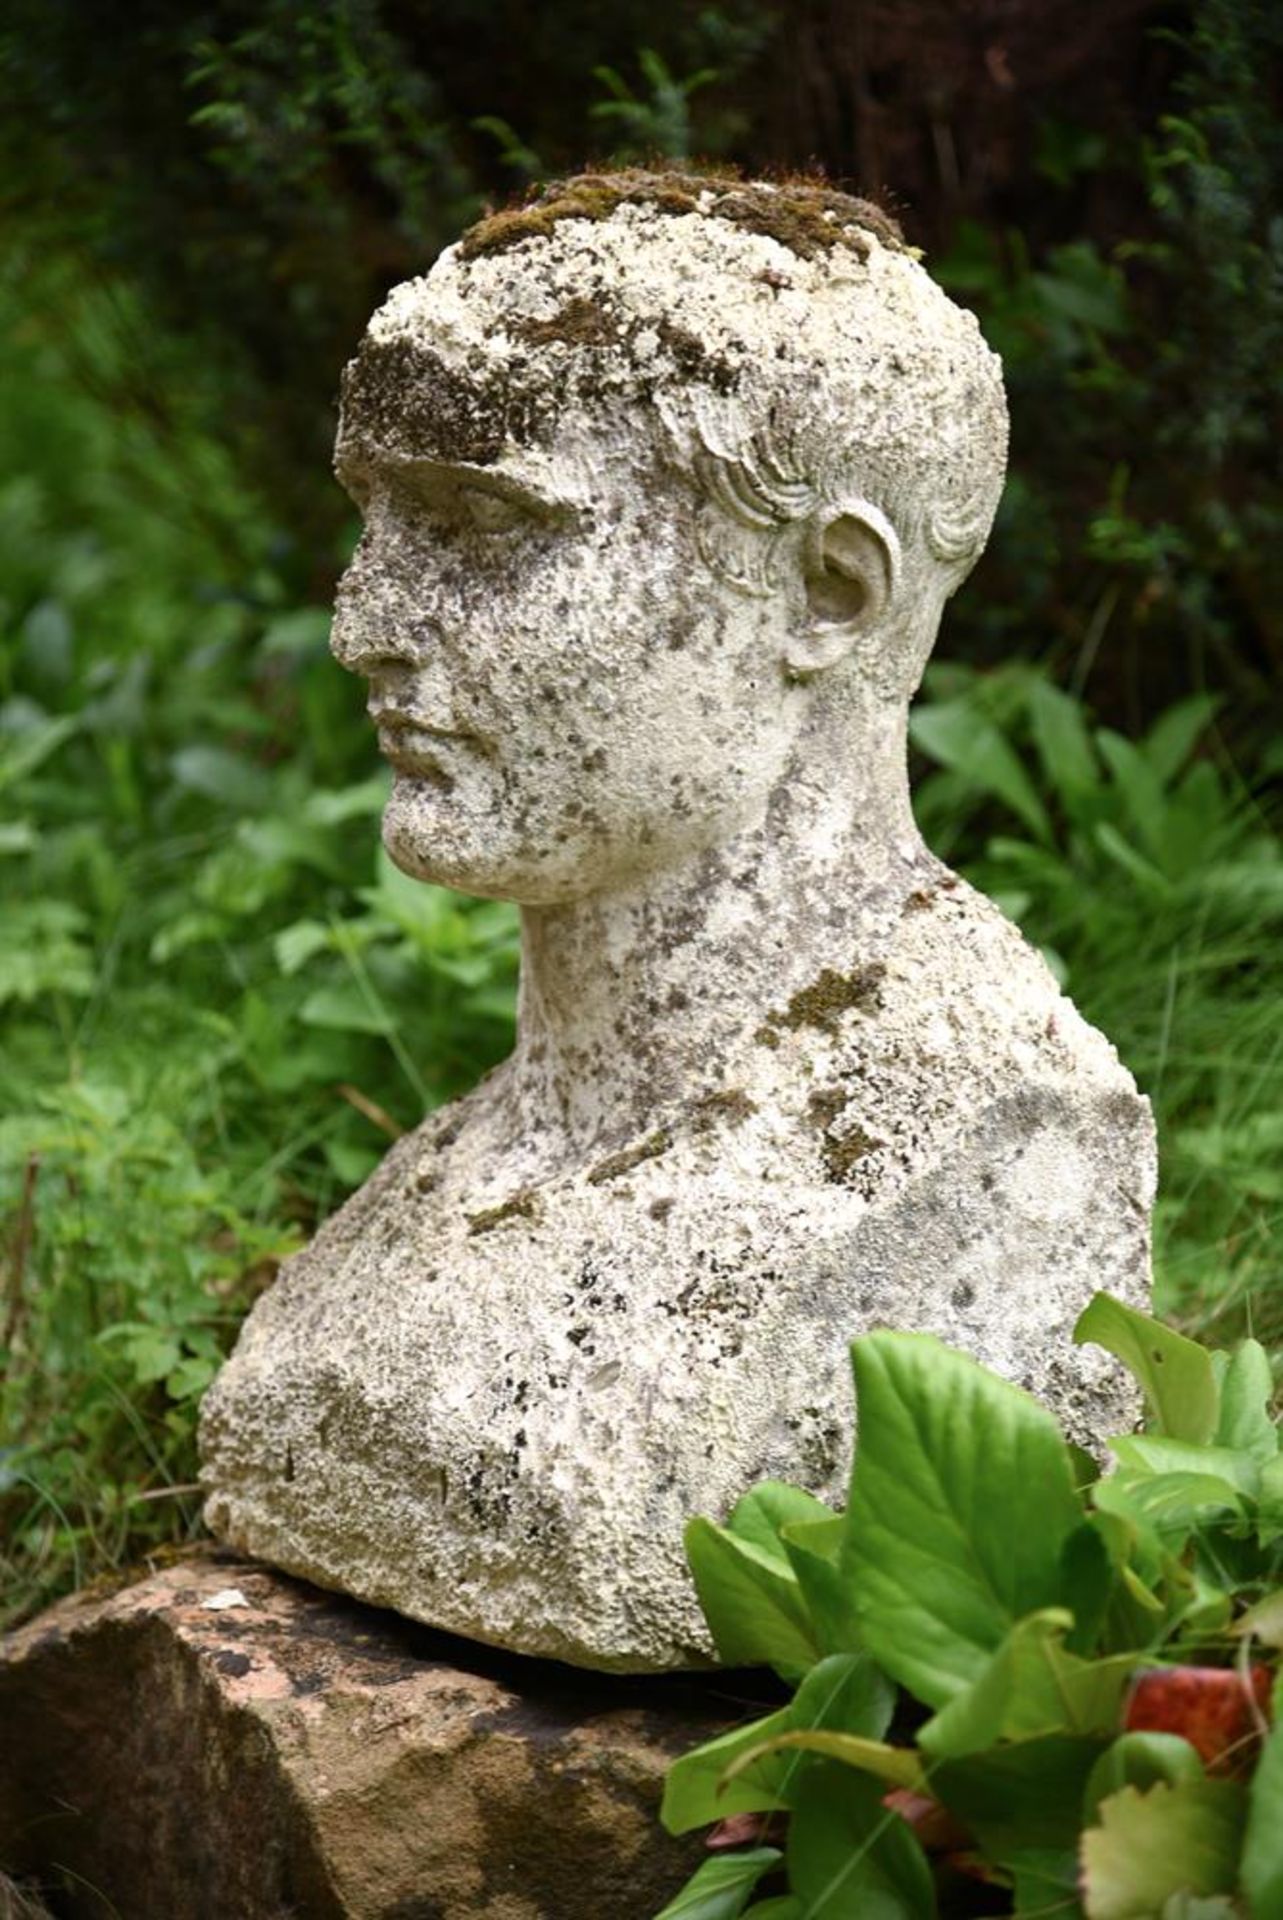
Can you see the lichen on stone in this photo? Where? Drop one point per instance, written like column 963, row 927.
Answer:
column 828, row 997
column 401, row 397
column 728, row 1103
column 522, row 1205
column 627, row 1158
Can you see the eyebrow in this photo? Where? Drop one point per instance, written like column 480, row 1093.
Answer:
column 489, row 479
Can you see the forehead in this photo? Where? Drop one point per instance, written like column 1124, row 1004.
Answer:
column 404, row 403
column 402, row 398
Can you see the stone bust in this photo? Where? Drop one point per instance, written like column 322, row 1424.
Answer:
column 666, row 480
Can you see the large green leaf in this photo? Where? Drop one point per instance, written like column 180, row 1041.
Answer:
column 1141, row 791
column 1169, row 1840
column 1176, row 732
column 751, row 1600
column 1172, row 1505
column 1157, row 1454
column 1063, row 742
column 1175, row 1374
column 1045, row 1883
column 846, row 1694
column 960, row 737
column 1031, row 1686
column 696, row 1791
column 1262, row 1869
column 763, row 1513
column 1026, row 1795
column 1247, row 1393
column 814, row 1549
column 719, row 1890
column 1088, row 1580
column 962, row 1500
column 849, row 1858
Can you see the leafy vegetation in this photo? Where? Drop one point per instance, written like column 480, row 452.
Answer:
column 1009, row 1674
column 1150, row 872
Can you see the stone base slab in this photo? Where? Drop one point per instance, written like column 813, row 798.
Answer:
column 221, row 1742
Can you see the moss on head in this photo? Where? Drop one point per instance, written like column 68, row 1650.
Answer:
column 805, row 215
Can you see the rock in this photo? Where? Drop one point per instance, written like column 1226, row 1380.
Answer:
column 665, row 487
column 220, row 1742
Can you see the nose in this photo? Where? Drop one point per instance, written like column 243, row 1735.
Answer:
column 370, row 631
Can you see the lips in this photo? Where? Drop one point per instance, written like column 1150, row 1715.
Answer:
column 414, row 746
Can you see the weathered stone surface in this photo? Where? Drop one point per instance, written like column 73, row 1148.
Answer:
column 663, row 499
column 220, row 1742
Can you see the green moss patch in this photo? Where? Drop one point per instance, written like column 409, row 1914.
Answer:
column 806, row 216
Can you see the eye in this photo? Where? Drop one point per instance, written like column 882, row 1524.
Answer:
column 490, row 512
column 355, row 482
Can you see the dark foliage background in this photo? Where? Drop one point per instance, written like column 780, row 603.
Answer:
column 1100, row 180
column 218, row 1004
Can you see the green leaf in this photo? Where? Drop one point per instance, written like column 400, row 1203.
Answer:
column 897, row 1766
column 1150, row 880
column 1264, row 1621
column 348, row 1009
column 783, row 1907
column 300, row 942
column 1032, row 1686
column 1140, row 1760
column 1169, row 1840
column 961, row 737
column 814, row 1549
column 751, row 1600
column 1045, row 1883
column 1063, row 742
column 1262, row 1869
column 1087, row 1583
column 847, row 1693
column 762, row 1514
column 720, row 1888
column 1247, row 1393
column 849, row 1858
column 1154, row 1453
column 1025, row 1795
column 1175, row 734
column 1173, row 1505
column 22, row 753
column 1140, row 788
column 190, row 1377
column 696, row 1791
column 961, row 1502
column 1175, row 1374
column 221, row 775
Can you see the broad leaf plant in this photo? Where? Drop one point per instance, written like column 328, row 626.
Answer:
column 1020, row 1687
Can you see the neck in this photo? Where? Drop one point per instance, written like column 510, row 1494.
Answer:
column 638, row 999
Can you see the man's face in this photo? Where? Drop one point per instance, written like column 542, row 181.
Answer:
column 566, row 692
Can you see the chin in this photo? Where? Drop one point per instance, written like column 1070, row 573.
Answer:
column 448, row 846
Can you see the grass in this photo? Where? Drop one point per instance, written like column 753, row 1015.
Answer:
column 218, row 1002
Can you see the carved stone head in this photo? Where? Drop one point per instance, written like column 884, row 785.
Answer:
column 665, row 482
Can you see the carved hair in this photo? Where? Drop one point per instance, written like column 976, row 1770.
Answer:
column 800, row 360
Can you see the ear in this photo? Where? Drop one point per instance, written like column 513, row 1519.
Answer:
column 852, row 573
